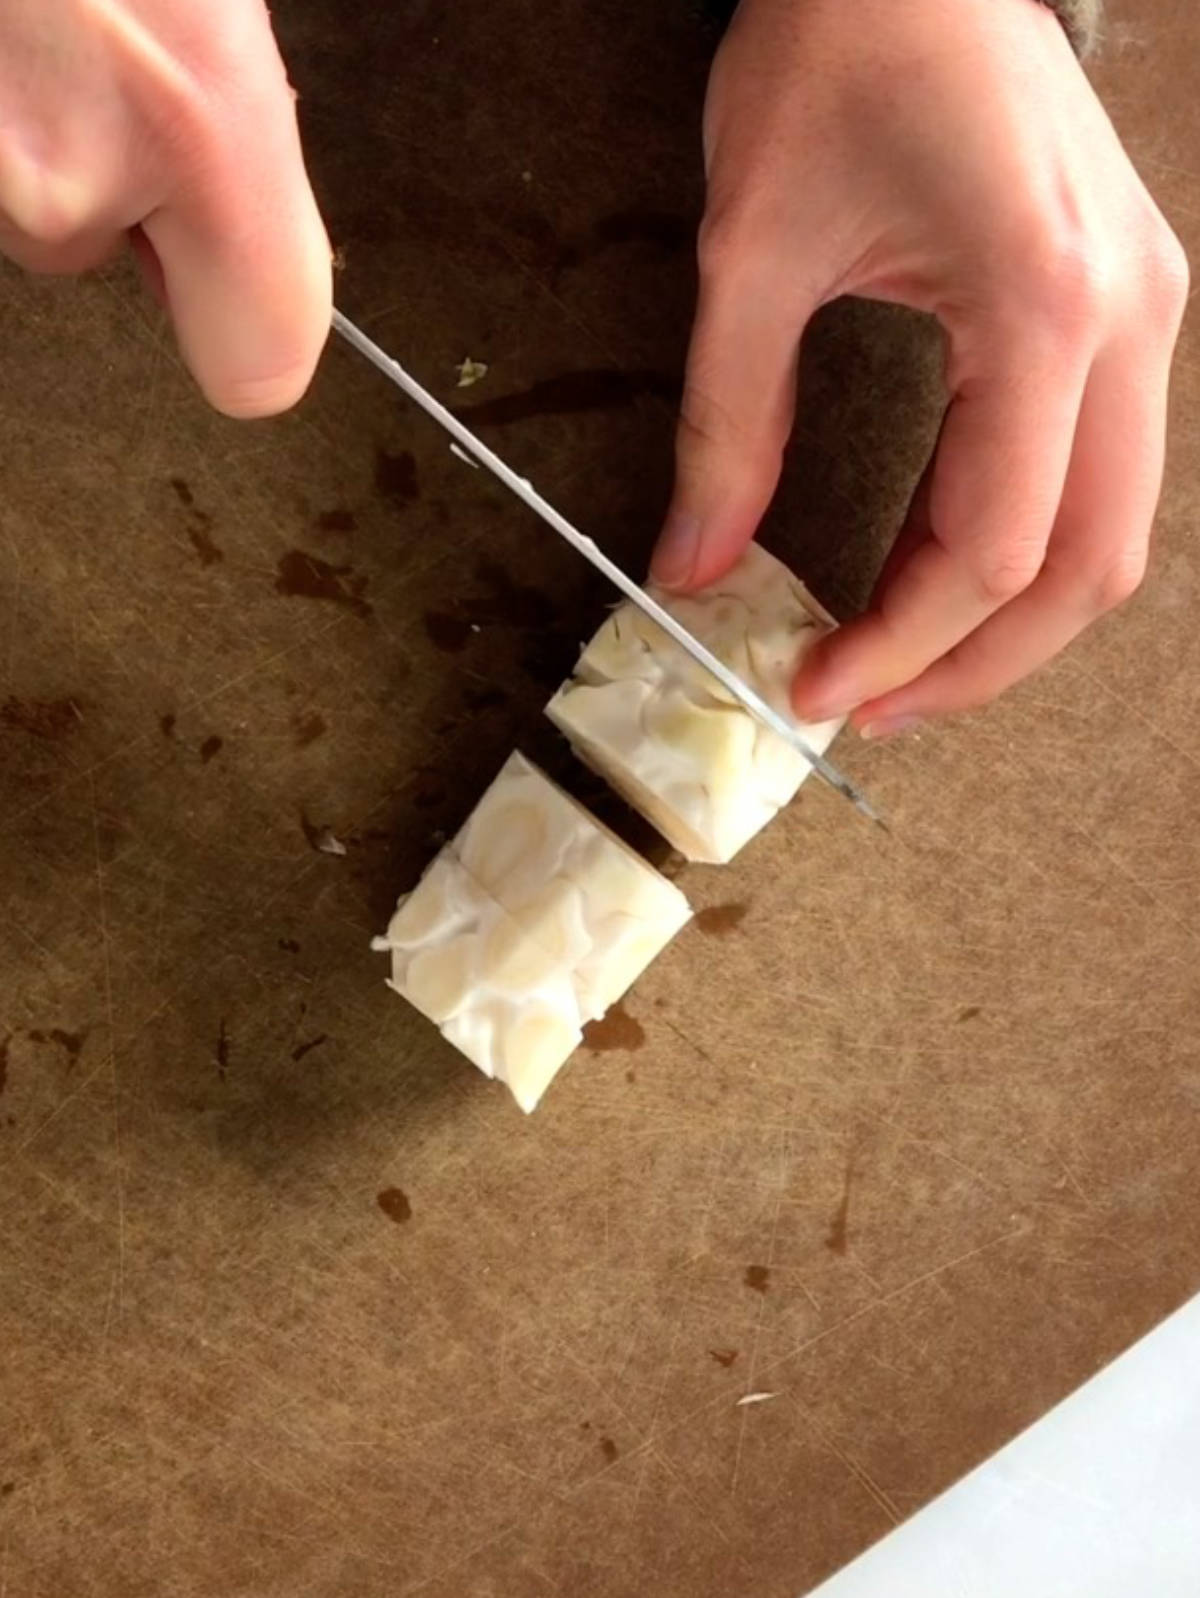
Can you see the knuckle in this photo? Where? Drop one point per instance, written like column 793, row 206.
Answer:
column 192, row 133
column 718, row 246
column 1118, row 581
column 1069, row 276
column 1074, row 283
column 1004, row 573
column 707, row 424
column 1168, row 275
column 53, row 210
column 739, row 229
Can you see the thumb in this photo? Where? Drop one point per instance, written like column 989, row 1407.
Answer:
column 739, row 401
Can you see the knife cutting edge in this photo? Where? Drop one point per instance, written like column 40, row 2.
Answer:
column 758, row 707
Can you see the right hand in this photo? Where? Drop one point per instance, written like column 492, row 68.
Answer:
column 170, row 123
column 951, row 156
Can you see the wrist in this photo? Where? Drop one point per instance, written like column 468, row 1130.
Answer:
column 1080, row 18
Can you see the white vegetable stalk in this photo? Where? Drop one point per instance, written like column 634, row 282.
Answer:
column 669, row 738
column 531, row 922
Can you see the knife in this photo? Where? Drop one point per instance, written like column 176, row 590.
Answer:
column 758, row 707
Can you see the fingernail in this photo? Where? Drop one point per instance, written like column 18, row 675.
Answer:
column 674, row 560
column 888, row 726
column 826, row 704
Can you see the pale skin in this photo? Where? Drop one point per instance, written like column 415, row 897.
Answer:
column 947, row 155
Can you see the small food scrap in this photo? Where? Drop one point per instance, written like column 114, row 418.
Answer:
column 321, row 838
column 470, row 372
column 754, row 1398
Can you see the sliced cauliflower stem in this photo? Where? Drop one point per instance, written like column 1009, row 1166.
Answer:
column 669, row 738
column 531, row 922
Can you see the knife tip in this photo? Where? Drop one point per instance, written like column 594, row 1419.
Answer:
column 864, row 807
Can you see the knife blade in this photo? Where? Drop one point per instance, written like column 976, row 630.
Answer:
column 751, row 701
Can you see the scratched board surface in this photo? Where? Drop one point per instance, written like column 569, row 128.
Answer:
column 903, row 1131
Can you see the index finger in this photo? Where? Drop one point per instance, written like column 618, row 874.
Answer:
column 245, row 258
column 996, row 482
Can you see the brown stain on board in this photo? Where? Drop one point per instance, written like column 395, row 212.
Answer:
column 499, row 602
column 304, row 576
column 396, row 476
column 839, row 1234
column 610, row 1450
column 510, row 603
column 289, row 945
column 660, row 229
column 302, row 1049
column 337, row 520
column 308, row 729
column 478, row 699
column 721, row 919
column 757, row 1277
column 723, row 1356
column 616, row 1030
column 222, row 1050
column 210, row 749
column 393, row 1201
column 42, row 718
column 199, row 524
column 70, row 1042
column 210, row 554
column 601, row 389
column 971, row 1011
column 451, row 634
column 166, row 724
column 550, row 656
